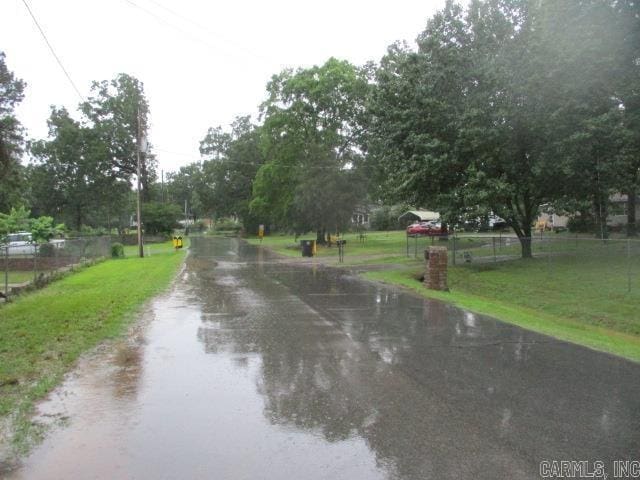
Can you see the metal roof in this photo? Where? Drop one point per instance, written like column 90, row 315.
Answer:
column 423, row 215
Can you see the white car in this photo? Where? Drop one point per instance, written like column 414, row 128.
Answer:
column 20, row 243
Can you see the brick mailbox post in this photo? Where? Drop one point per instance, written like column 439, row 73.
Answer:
column 436, row 275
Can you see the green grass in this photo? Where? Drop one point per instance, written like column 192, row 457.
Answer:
column 151, row 249
column 383, row 244
column 17, row 277
column 42, row 334
column 575, row 289
column 391, row 244
column 591, row 290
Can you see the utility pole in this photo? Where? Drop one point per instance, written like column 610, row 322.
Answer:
column 186, row 219
column 138, row 147
column 162, row 185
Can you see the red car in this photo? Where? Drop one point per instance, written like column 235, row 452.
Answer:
column 418, row 228
column 436, row 228
column 426, row 228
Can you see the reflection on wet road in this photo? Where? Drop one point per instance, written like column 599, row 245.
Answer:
column 253, row 369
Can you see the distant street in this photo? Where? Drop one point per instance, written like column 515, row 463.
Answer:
column 251, row 368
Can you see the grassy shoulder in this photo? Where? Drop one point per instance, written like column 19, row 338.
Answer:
column 576, row 289
column 42, row 334
column 375, row 247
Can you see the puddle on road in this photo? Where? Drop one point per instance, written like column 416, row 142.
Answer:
column 254, row 369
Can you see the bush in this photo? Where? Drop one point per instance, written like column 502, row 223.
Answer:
column 46, row 250
column 386, row 217
column 227, row 225
column 160, row 218
column 117, row 250
column 581, row 224
column 380, row 218
column 88, row 231
column 43, row 229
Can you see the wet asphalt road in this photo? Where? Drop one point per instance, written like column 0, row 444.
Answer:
column 255, row 369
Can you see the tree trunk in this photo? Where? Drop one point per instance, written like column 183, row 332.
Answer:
column 601, row 214
column 78, row 219
column 320, row 240
column 632, row 229
column 525, row 242
column 445, row 231
column 523, row 214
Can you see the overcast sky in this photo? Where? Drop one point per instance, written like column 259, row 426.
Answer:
column 202, row 62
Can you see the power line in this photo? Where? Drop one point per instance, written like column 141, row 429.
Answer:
column 168, row 24
column 189, row 156
column 188, row 34
column 208, row 30
column 52, row 50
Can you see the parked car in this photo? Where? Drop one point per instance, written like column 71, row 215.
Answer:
column 427, row 228
column 484, row 224
column 57, row 242
column 436, row 228
column 19, row 243
column 418, row 228
column 497, row 223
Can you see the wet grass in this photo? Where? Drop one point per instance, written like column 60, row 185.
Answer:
column 16, row 276
column 151, row 249
column 386, row 244
column 42, row 334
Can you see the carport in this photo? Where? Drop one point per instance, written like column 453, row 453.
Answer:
column 412, row 216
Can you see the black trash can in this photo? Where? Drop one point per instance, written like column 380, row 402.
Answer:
column 307, row 247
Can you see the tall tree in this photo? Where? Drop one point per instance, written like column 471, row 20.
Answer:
column 478, row 117
column 11, row 138
column 231, row 163
column 118, row 111
column 510, row 169
column 187, row 185
column 626, row 86
column 73, row 179
column 312, row 123
column 589, row 68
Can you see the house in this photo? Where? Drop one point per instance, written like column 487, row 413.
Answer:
column 616, row 215
column 361, row 216
column 617, row 211
column 551, row 221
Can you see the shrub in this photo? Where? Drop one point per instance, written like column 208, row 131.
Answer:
column 581, row 224
column 88, row 231
column 386, row 217
column 380, row 218
column 46, row 250
column 117, row 250
column 227, row 225
column 160, row 218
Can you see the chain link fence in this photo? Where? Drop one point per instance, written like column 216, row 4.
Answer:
column 29, row 264
column 612, row 261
